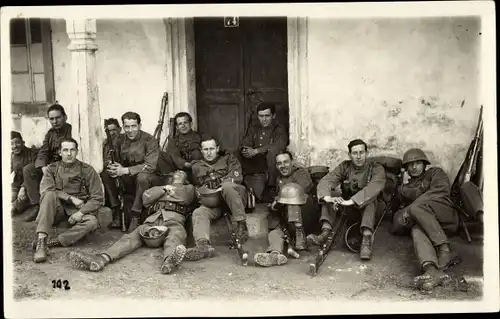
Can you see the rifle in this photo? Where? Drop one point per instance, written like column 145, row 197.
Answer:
column 330, row 241
column 161, row 120
column 235, row 241
column 288, row 239
column 118, row 180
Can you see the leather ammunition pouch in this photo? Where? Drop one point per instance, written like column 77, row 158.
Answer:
column 171, row 206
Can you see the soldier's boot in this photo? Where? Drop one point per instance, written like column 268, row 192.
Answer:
column 134, row 223
column 300, row 239
column 432, row 277
column 242, row 231
column 447, row 257
column 174, row 260
column 274, row 258
column 365, row 252
column 86, row 261
column 320, row 239
column 203, row 249
column 51, row 242
column 31, row 213
column 41, row 250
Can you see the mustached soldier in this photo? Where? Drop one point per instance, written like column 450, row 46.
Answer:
column 427, row 214
column 360, row 179
column 217, row 171
column 70, row 190
column 170, row 203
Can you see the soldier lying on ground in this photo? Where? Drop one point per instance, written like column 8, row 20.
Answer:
column 71, row 190
column 20, row 157
column 184, row 146
column 170, row 203
column 48, row 154
column 427, row 213
column 215, row 171
column 259, row 148
column 360, row 178
column 138, row 153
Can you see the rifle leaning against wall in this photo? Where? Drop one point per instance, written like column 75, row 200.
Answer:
column 118, row 180
column 161, row 120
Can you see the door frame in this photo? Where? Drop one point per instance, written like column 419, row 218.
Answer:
column 181, row 81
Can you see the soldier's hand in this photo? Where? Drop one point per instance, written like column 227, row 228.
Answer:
column 273, row 205
column 76, row 201
column 44, row 170
column 75, row 218
column 188, row 164
column 21, row 196
column 116, row 169
column 346, row 202
column 169, row 188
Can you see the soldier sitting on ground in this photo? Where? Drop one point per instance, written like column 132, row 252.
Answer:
column 361, row 179
column 217, row 170
column 138, row 153
column 169, row 203
column 427, row 212
column 184, row 146
column 301, row 217
column 49, row 153
column 20, row 157
column 70, row 190
column 259, row 148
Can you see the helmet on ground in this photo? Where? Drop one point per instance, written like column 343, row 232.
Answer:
column 153, row 237
column 292, row 194
column 209, row 197
column 353, row 237
column 415, row 154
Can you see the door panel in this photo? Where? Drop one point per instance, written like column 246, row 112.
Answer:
column 237, row 68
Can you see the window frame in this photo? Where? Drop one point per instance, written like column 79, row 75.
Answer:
column 38, row 108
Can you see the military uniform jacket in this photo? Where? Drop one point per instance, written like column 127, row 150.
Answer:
column 49, row 151
column 366, row 182
column 226, row 168
column 181, row 194
column 78, row 180
column 18, row 161
column 139, row 155
column 272, row 138
column 184, row 147
column 300, row 176
column 433, row 186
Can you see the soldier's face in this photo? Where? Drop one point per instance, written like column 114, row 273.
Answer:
column 114, row 130
column 265, row 117
column 358, row 155
column 183, row 124
column 56, row 119
column 68, row 152
column 131, row 128
column 415, row 168
column 17, row 145
column 209, row 150
column 284, row 164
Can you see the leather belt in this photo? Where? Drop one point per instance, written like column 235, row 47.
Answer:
column 175, row 207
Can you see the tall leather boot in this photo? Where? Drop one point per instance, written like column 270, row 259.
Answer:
column 300, row 238
column 242, row 231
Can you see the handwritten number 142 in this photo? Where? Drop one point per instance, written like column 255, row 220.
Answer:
column 61, row 284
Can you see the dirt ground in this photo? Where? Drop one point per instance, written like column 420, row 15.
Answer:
column 386, row 277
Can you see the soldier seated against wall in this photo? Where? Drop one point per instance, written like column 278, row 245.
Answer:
column 49, row 153
column 217, row 171
column 259, row 148
column 70, row 190
column 183, row 146
column 138, row 154
column 169, row 205
column 427, row 213
column 361, row 180
column 296, row 203
column 20, row 157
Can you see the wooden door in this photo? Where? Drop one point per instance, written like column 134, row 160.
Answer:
column 237, row 68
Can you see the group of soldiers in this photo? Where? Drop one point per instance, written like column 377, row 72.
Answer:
column 52, row 185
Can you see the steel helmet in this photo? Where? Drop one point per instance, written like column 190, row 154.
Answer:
column 415, row 154
column 292, row 194
column 153, row 237
column 209, row 197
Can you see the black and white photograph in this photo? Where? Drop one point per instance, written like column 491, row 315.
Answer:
column 249, row 159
